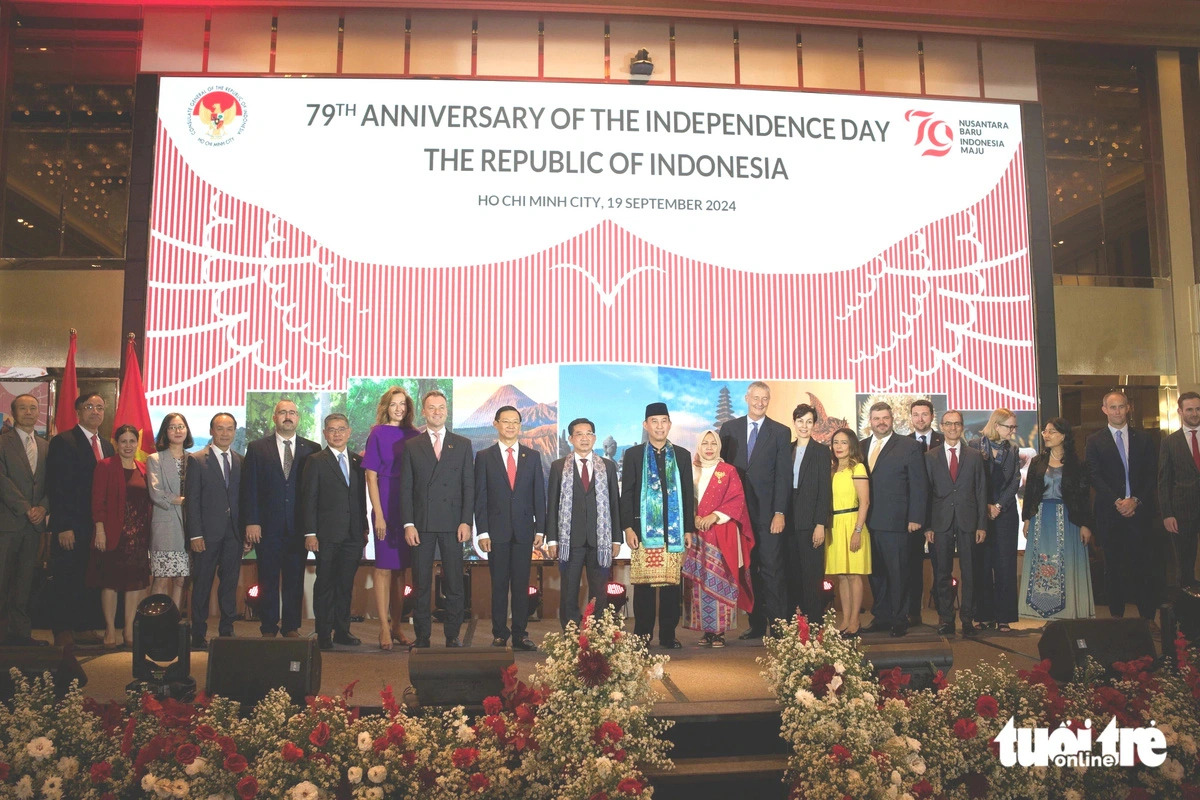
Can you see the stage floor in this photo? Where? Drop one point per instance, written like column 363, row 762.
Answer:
column 694, row 676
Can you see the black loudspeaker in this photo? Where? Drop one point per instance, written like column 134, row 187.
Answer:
column 457, row 676
column 33, row 661
column 1068, row 642
column 246, row 669
column 919, row 660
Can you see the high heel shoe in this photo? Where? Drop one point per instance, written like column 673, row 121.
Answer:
column 399, row 638
column 385, row 641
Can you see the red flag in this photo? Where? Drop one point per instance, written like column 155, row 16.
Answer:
column 68, row 390
column 132, row 408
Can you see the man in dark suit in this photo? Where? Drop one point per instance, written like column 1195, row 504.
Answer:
column 270, row 511
column 23, row 510
column 957, row 521
column 213, row 526
column 1179, row 486
column 920, row 417
column 437, row 499
column 668, row 598
column 899, row 487
column 760, row 449
column 510, row 499
column 333, row 516
column 1121, row 463
column 809, row 513
column 582, row 519
column 70, row 463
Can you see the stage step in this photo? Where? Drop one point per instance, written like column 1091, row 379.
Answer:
column 721, row 749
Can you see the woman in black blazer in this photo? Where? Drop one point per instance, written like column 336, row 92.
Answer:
column 996, row 571
column 1058, row 522
column 808, row 514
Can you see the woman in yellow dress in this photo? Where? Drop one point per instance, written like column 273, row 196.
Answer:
column 848, row 546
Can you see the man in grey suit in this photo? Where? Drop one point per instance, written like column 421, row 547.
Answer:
column 23, row 509
column 211, row 521
column 899, row 488
column 437, row 500
column 957, row 520
column 333, row 516
column 760, row 449
column 1179, row 486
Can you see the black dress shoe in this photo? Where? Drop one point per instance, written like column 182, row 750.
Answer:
column 500, row 641
column 675, row 645
column 750, row 634
column 915, row 620
column 899, row 630
column 422, row 643
column 876, row 627
column 325, row 642
column 969, row 631
column 524, row 643
column 26, row 641
column 348, row 639
column 199, row 644
column 946, row 629
column 453, row 642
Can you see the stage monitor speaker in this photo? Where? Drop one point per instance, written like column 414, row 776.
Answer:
column 919, row 660
column 1068, row 642
column 34, row 661
column 246, row 669
column 1187, row 612
column 458, row 676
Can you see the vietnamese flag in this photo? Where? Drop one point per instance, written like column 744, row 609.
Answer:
column 132, row 408
column 68, row 390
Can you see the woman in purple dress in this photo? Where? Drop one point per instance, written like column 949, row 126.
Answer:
column 393, row 426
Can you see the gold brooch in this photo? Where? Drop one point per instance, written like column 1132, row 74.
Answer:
column 720, row 476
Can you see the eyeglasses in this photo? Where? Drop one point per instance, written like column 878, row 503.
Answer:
column 952, row 424
column 1006, row 427
column 177, row 427
column 337, row 430
column 91, row 407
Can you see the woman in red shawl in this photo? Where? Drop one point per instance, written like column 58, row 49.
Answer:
column 716, row 566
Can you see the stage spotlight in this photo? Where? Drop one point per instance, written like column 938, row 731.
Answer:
column 1187, row 613
column 410, row 602
column 616, row 595
column 535, row 602
column 251, row 603
column 162, row 653
column 827, row 592
column 640, row 67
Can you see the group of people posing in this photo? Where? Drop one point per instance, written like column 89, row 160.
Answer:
column 754, row 520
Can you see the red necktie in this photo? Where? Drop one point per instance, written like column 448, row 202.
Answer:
column 954, row 464
column 512, row 470
column 96, row 448
column 1195, row 451
column 587, row 479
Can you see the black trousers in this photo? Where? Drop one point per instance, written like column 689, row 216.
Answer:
column 1129, row 552
column 452, row 579
column 890, row 576
column 509, row 564
column 916, row 574
column 767, row 577
column 280, row 582
column 996, row 570
column 18, row 560
column 337, row 563
column 804, row 574
column 946, row 543
column 221, row 560
column 582, row 556
column 1185, row 552
column 74, row 606
column 668, row 599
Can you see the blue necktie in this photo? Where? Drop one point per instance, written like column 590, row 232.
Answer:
column 753, row 439
column 1124, row 458
column 225, row 467
column 345, row 467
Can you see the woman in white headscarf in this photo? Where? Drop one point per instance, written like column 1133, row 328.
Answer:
column 716, row 566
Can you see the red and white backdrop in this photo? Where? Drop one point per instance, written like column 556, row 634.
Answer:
column 306, row 232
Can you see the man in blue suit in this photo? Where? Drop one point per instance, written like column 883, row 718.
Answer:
column 899, row 487
column 213, row 529
column 270, row 512
column 510, row 501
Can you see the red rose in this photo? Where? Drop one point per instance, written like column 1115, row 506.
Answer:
column 395, row 733
column 4, row 769
column 464, row 757
column 492, row 705
column 965, row 729
column 630, row 786
column 320, row 734
column 237, row 763
column 593, row 668
column 247, row 787
column 524, row 713
column 987, row 707
column 381, row 744
column 922, row 789
column 100, row 772
column 608, row 731
column 186, row 753
column 227, row 744
column 291, row 753
column 619, row 756
column 479, row 782
column 205, row 732
column 839, row 754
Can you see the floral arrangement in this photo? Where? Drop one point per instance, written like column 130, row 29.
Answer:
column 580, row 729
column 857, row 734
